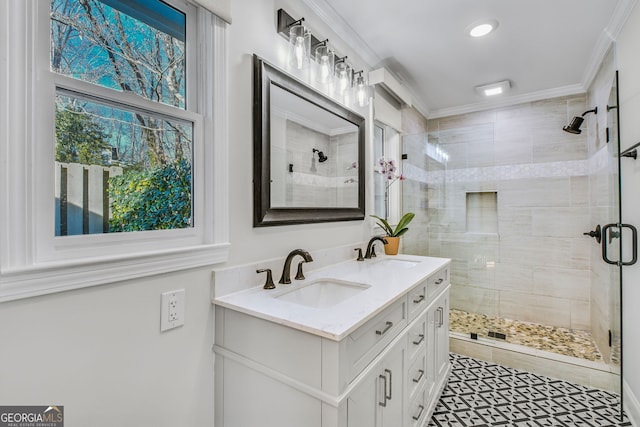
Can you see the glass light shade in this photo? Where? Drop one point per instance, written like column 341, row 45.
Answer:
column 299, row 47
column 362, row 92
column 343, row 77
column 325, row 59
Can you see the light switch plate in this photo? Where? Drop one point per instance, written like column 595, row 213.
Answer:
column 172, row 310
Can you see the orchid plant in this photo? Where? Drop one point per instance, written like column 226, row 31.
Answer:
column 388, row 170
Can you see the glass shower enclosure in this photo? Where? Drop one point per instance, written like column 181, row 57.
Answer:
column 516, row 204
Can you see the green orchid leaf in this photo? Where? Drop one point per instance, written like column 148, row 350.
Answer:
column 400, row 229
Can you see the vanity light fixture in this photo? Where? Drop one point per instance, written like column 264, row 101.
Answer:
column 325, row 59
column 299, row 37
column 482, row 28
column 343, row 75
column 362, row 91
column 329, row 69
column 299, row 46
column 494, row 89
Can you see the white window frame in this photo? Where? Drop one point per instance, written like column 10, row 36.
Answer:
column 35, row 262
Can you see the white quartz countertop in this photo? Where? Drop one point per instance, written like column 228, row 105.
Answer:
column 385, row 281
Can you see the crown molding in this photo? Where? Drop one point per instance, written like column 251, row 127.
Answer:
column 340, row 26
column 606, row 39
column 569, row 90
column 327, row 14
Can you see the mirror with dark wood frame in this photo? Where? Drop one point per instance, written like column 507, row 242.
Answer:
column 308, row 153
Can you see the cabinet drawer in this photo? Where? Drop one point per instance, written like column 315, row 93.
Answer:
column 418, row 409
column 368, row 340
column 416, row 375
column 417, row 338
column 438, row 281
column 417, row 300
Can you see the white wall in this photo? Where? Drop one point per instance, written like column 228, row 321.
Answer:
column 99, row 351
column 629, row 87
column 254, row 31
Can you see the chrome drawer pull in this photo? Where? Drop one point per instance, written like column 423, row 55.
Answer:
column 420, row 339
column 440, row 280
column 419, row 299
column 417, row 417
column 417, row 380
column 388, row 326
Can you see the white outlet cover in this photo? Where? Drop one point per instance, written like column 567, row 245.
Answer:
column 172, row 310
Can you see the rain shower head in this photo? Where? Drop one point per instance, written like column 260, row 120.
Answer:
column 321, row 156
column 576, row 122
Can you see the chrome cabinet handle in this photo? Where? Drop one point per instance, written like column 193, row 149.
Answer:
column 384, row 394
column 417, row 380
column 417, row 417
column 388, row 326
column 420, row 339
column 440, row 312
column 419, row 299
column 440, row 280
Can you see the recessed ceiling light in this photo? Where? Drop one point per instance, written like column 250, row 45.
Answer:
column 494, row 89
column 482, row 28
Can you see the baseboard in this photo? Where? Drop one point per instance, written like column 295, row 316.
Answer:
column 631, row 404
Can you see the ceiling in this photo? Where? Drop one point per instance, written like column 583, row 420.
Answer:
column 545, row 48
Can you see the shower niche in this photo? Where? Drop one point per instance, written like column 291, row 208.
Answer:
column 482, row 212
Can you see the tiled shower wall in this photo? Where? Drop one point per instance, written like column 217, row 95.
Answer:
column 536, row 267
column 310, row 183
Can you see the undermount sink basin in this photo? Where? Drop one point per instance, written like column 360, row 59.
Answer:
column 322, row 293
column 396, row 263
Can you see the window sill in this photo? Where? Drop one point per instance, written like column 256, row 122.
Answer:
column 55, row 277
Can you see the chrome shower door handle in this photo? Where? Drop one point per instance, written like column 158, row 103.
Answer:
column 634, row 244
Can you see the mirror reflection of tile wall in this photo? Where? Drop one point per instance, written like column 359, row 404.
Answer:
column 298, row 177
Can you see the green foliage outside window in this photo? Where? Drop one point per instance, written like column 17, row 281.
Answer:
column 78, row 138
column 152, row 199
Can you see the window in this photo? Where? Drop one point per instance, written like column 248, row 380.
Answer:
column 118, row 168
column 122, row 172
column 387, row 187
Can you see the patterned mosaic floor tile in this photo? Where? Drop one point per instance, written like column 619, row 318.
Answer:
column 484, row 394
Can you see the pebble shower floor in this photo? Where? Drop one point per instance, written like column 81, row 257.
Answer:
column 485, row 394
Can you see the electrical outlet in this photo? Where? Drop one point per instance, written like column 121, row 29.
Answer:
column 172, row 310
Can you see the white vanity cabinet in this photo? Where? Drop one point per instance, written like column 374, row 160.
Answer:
column 387, row 372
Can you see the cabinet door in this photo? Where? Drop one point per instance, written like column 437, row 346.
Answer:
column 363, row 401
column 378, row 400
column 432, row 349
column 393, row 374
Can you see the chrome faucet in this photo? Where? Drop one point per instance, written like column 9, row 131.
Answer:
column 286, row 271
column 370, row 250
